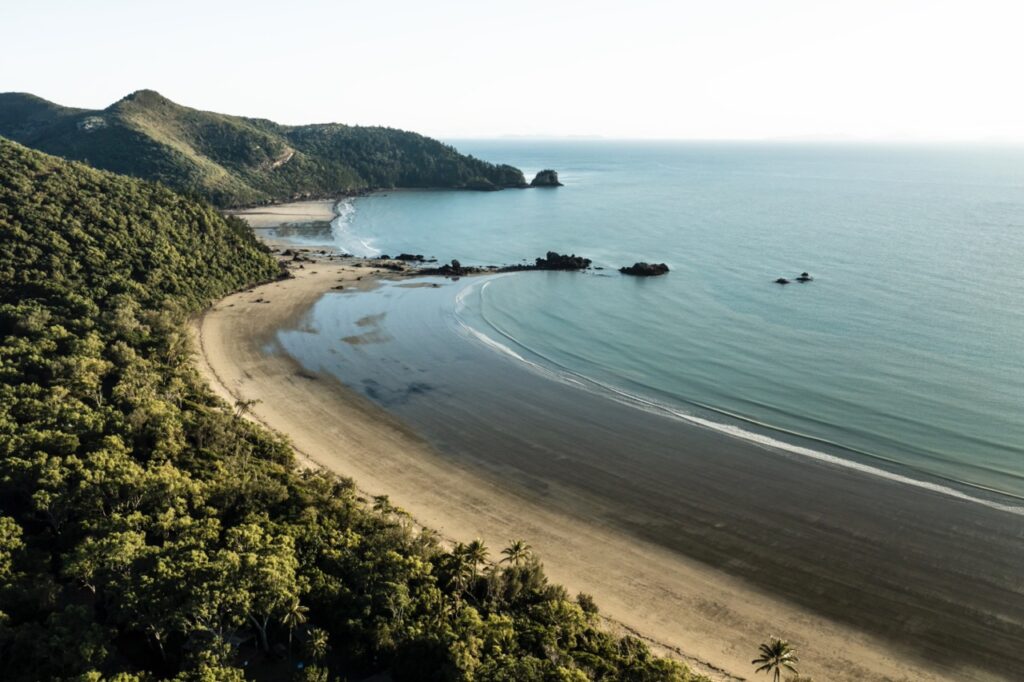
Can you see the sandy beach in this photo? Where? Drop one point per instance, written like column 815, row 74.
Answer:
column 320, row 210
column 677, row 599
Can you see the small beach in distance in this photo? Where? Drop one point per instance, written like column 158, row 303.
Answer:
column 698, row 539
column 282, row 215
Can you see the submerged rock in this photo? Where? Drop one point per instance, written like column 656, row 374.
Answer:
column 645, row 269
column 546, row 178
column 782, row 280
column 804, row 277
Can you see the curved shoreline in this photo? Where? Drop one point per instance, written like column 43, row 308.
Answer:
column 412, row 474
column 770, row 436
column 678, row 602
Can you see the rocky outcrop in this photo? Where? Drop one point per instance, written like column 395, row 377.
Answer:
column 453, row 269
column 410, row 257
column 481, row 185
column 782, row 280
column 645, row 269
column 551, row 261
column 556, row 261
column 546, row 178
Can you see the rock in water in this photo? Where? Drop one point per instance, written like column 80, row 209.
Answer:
column 804, row 277
column 546, row 178
column 645, row 269
column 557, row 261
column 553, row 261
column 782, row 280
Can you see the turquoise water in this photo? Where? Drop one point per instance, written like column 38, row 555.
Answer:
column 906, row 350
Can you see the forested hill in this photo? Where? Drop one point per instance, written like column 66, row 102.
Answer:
column 149, row 532
column 231, row 160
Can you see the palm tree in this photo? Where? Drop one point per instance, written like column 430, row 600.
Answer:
column 460, row 571
column 382, row 504
column 244, row 407
column 516, row 553
column 476, row 552
column 776, row 654
column 294, row 616
column 317, row 645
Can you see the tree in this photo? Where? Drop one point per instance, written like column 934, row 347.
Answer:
column 516, row 553
column 458, row 568
column 318, row 644
column 243, row 407
column 776, row 654
column 312, row 673
column 136, row 506
column 476, row 553
column 265, row 567
column 587, row 603
column 382, row 505
column 294, row 616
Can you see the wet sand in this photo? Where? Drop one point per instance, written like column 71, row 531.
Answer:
column 704, row 543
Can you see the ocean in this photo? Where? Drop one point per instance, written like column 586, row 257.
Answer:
column 903, row 356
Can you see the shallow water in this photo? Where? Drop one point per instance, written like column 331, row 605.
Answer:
column 905, row 351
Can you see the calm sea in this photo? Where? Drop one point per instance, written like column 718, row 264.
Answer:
column 907, row 349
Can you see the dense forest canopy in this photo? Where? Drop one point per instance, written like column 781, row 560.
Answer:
column 232, row 160
column 148, row 531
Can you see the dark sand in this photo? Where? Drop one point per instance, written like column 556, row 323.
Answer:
column 939, row 579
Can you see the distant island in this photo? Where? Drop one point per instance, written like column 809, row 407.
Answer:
column 546, row 178
column 236, row 161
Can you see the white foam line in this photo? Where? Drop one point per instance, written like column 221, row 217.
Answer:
column 638, row 402
column 342, row 234
column 495, row 345
column 768, row 441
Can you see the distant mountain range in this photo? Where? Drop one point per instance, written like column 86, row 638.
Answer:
column 235, row 161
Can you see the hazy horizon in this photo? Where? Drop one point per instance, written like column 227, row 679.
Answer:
column 740, row 70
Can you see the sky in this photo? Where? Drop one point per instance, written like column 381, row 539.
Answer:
column 714, row 69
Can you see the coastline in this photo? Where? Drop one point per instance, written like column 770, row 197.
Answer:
column 679, row 602
column 272, row 215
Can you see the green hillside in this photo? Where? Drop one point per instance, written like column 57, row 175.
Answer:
column 233, row 161
column 149, row 532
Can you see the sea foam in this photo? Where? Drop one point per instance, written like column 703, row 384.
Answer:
column 344, row 236
column 550, row 369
